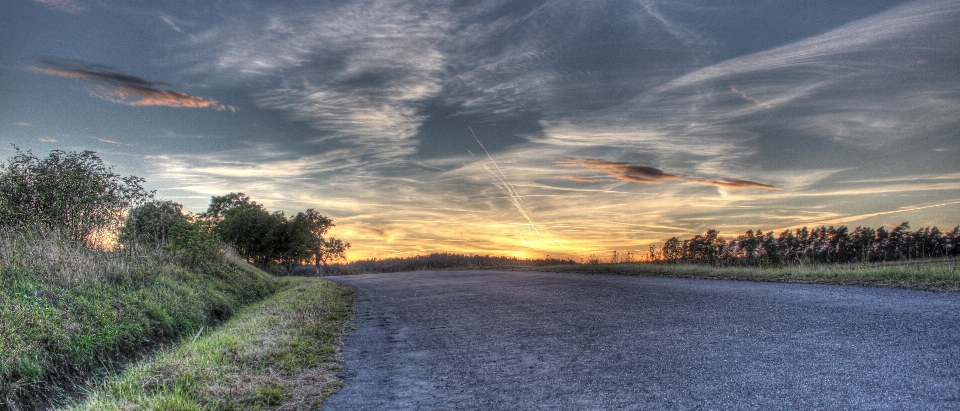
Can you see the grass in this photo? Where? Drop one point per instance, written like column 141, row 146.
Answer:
column 278, row 354
column 70, row 315
column 938, row 275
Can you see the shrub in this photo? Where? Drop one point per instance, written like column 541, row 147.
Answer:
column 67, row 191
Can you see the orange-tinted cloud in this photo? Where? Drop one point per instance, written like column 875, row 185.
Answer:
column 623, row 171
column 126, row 89
column 734, row 183
column 46, row 140
column 578, row 179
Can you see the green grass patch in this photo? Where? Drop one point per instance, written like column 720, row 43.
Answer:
column 278, row 354
column 939, row 275
column 70, row 315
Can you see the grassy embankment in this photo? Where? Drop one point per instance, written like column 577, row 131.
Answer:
column 278, row 354
column 940, row 275
column 71, row 316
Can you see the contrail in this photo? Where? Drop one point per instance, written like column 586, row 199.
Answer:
column 514, row 196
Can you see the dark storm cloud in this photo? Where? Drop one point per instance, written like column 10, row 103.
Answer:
column 123, row 88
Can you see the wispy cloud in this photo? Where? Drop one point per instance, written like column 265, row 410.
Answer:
column 734, row 183
column 850, row 38
column 847, row 219
column 46, row 140
column 628, row 172
column 578, row 179
column 23, row 124
column 117, row 87
column 68, row 6
column 103, row 140
column 168, row 20
column 355, row 71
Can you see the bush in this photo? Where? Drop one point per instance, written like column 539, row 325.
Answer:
column 193, row 239
column 75, row 193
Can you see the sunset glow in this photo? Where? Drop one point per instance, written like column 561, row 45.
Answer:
column 511, row 128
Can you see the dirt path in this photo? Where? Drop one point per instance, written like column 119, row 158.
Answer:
column 528, row 340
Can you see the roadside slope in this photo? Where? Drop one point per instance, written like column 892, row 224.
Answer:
column 281, row 353
column 70, row 314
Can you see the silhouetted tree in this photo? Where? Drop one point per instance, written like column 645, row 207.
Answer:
column 817, row 245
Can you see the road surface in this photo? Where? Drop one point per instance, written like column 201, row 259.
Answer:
column 489, row 340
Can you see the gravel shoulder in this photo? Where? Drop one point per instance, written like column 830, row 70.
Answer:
column 533, row 340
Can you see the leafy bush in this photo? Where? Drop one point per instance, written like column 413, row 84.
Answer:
column 194, row 239
column 75, row 193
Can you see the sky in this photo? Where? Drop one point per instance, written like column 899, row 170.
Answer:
column 517, row 128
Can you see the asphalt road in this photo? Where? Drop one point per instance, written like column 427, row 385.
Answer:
column 487, row 340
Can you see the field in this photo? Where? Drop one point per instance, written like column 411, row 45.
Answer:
column 938, row 275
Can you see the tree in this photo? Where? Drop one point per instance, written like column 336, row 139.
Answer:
column 72, row 192
column 264, row 238
column 331, row 250
column 316, row 226
column 248, row 228
column 150, row 223
column 221, row 204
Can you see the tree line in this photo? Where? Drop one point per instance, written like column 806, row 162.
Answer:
column 818, row 245
column 441, row 261
column 77, row 194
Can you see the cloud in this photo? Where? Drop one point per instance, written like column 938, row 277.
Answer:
column 23, row 124
column 578, row 179
column 68, row 6
column 734, row 183
column 169, row 21
column 46, row 140
column 623, row 171
column 356, row 71
column 850, row 38
column 125, row 89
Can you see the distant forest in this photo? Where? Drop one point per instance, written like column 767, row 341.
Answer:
column 435, row 261
column 818, row 245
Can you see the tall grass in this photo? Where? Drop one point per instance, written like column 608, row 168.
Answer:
column 70, row 314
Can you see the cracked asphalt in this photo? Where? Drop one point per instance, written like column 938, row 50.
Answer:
column 491, row 340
